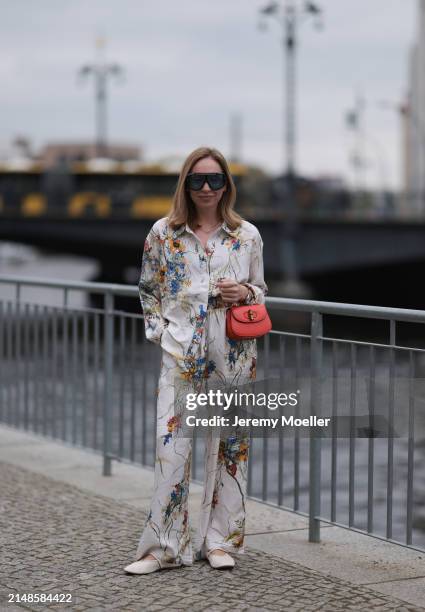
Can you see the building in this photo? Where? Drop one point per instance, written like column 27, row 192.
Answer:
column 53, row 153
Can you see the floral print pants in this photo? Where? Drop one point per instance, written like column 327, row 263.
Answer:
column 166, row 533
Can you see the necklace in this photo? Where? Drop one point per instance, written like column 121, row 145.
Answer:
column 199, row 226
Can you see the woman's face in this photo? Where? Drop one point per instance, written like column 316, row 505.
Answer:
column 206, row 198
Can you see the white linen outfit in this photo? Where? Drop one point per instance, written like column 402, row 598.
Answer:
column 185, row 314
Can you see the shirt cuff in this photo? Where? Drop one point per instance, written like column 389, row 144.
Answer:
column 155, row 328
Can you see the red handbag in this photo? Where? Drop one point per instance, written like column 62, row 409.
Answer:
column 247, row 322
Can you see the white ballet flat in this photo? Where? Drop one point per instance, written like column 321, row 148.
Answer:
column 220, row 561
column 147, row 566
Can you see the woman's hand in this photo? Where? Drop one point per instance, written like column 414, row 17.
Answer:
column 232, row 291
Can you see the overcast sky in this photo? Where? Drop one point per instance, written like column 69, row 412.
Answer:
column 191, row 64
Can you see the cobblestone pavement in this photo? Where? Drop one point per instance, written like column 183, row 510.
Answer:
column 57, row 538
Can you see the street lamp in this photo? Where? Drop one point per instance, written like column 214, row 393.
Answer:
column 100, row 71
column 404, row 109
column 289, row 17
column 354, row 119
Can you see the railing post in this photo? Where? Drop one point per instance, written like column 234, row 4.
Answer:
column 315, row 441
column 17, row 328
column 107, row 404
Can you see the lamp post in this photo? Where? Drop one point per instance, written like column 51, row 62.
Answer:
column 289, row 17
column 100, row 72
column 354, row 119
column 404, row 109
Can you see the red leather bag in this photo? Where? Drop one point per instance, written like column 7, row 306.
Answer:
column 247, row 322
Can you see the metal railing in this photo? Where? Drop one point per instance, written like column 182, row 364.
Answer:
column 86, row 375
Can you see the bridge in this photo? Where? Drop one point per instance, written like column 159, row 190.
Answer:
column 345, row 259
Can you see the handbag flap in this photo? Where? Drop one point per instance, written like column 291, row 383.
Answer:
column 249, row 314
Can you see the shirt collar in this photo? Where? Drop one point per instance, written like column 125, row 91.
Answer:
column 185, row 227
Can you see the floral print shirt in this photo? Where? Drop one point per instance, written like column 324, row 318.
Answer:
column 178, row 277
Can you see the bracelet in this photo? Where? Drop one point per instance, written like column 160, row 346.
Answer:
column 250, row 292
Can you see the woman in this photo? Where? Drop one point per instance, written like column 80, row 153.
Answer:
column 196, row 262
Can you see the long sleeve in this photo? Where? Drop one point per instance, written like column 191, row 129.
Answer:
column 256, row 284
column 150, row 288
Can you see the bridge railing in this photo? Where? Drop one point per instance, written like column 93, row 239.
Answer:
column 86, row 375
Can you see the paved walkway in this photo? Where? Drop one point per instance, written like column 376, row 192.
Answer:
column 56, row 537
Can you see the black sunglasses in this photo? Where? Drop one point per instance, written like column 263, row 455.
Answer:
column 196, row 180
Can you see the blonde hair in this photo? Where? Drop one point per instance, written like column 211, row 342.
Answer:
column 183, row 209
